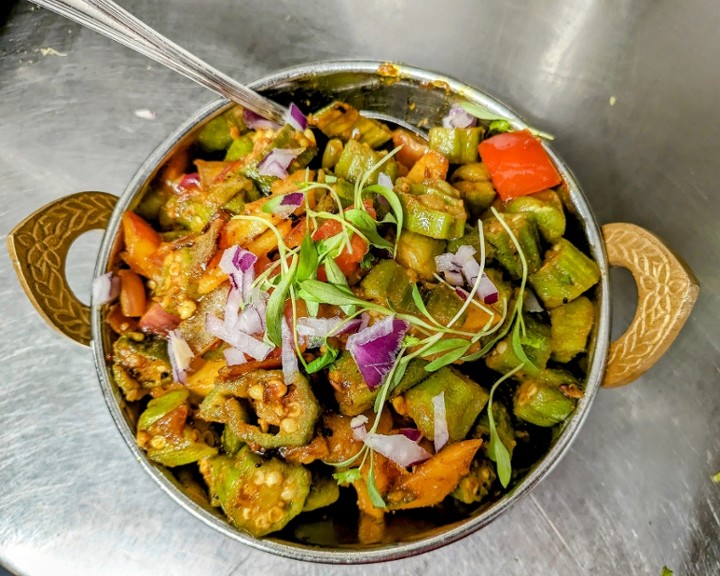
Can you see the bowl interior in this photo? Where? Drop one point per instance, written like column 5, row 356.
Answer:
column 410, row 97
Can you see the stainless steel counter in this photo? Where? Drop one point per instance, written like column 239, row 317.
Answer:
column 630, row 89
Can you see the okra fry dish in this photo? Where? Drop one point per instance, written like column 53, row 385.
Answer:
column 343, row 321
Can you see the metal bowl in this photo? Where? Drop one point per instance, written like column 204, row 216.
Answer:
column 415, row 98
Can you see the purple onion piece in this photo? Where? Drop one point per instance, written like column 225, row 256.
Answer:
column 288, row 356
column 397, row 447
column 413, row 433
column 277, row 161
column 255, row 121
column 105, row 288
column 180, row 355
column 440, row 425
column 374, row 348
column 457, row 117
column 296, row 118
column 234, row 357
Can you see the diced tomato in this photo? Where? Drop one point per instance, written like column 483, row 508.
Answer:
column 132, row 294
column 141, row 245
column 413, row 147
column 518, row 164
column 348, row 260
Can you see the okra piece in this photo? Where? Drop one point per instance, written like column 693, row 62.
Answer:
column 165, row 435
column 431, row 210
column 143, row 358
column 239, row 148
column 417, row 253
column 357, row 159
column 259, row 495
column 331, row 154
column 388, row 283
column 464, row 400
column 504, row 249
column 458, row 145
column 541, row 404
column 340, row 120
column 545, row 209
column 324, row 491
column 570, row 326
column 351, row 391
column 218, row 134
column 285, row 412
column 476, row 485
column 414, row 374
column 566, row 273
column 536, row 345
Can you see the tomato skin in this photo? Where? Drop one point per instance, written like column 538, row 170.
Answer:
column 132, row 294
column 347, row 261
column 518, row 164
column 141, row 245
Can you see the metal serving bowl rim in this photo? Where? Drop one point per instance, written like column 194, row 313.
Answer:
column 439, row 537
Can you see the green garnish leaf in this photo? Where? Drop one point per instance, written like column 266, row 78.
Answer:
column 271, row 205
column 482, row 113
column 499, row 126
column 408, row 341
column 450, row 357
column 327, row 357
column 331, row 247
column 446, row 344
column 308, row 261
column 276, row 304
column 347, row 476
column 394, row 202
column 335, row 276
column 517, row 345
column 325, row 293
column 497, row 451
column 375, row 496
column 368, row 227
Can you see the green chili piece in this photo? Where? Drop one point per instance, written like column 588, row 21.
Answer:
column 458, row 145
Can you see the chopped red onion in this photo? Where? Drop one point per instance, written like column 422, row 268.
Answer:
column 463, row 264
column 457, row 117
column 375, row 348
column 255, row 121
column 232, row 306
column 314, row 330
column 180, row 355
column 189, row 181
column 157, row 320
column 288, row 356
column 357, row 425
column 397, row 447
column 440, row 424
column 296, row 118
column 277, row 161
column 384, row 180
column 105, row 288
column 236, row 338
column 236, row 259
column 234, row 357
column 531, row 302
column 251, row 320
column 289, row 204
column 413, row 433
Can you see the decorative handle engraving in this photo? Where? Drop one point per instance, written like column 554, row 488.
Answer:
column 667, row 291
column 39, row 247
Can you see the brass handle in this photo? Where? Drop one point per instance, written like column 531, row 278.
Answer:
column 667, row 291
column 39, row 247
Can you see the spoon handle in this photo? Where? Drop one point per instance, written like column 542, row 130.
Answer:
column 109, row 19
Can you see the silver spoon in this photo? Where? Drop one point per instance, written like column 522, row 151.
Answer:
column 109, row 19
